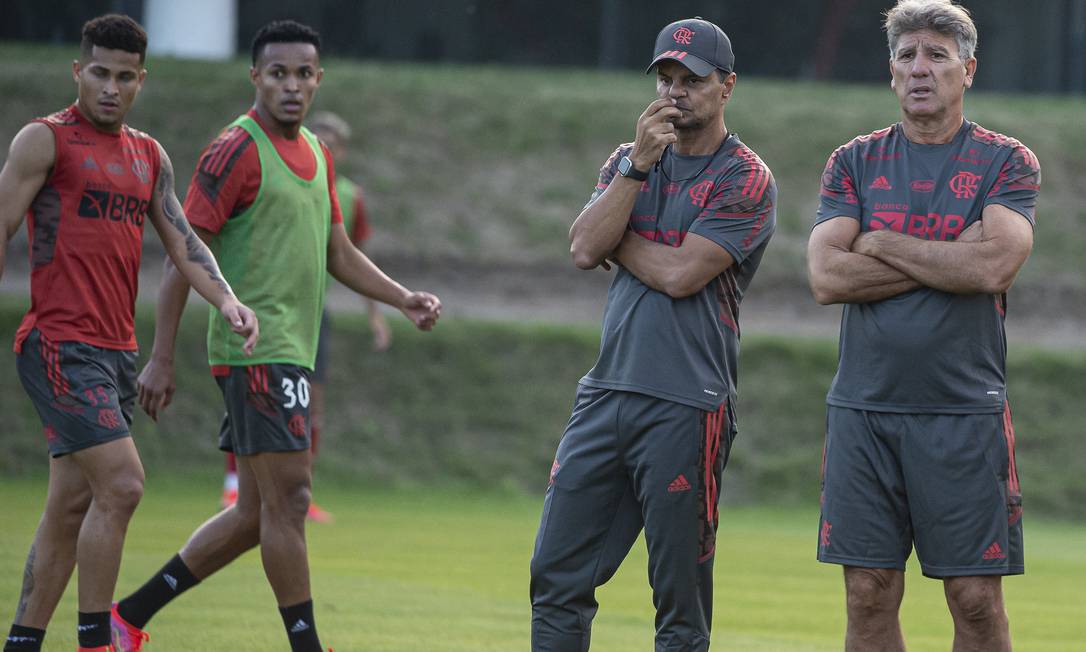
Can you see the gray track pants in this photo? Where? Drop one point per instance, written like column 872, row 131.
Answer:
column 629, row 461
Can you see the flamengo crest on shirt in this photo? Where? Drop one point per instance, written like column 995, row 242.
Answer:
column 964, row 184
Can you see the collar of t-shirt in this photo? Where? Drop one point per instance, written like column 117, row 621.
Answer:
column 295, row 152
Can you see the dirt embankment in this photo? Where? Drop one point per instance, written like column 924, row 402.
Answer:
column 1050, row 317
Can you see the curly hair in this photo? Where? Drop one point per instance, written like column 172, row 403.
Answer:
column 284, row 31
column 116, row 32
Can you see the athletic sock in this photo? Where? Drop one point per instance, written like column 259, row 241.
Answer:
column 301, row 630
column 93, row 629
column 174, row 579
column 24, row 639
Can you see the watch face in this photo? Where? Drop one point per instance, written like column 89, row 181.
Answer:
column 624, row 165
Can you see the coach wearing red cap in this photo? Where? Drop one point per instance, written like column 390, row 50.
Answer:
column 685, row 213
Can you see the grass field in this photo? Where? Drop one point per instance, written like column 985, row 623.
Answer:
column 447, row 571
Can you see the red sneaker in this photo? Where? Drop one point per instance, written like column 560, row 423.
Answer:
column 318, row 515
column 126, row 638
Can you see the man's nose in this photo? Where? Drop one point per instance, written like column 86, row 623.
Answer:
column 921, row 67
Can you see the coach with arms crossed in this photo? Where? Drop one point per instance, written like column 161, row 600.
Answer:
column 686, row 212
column 921, row 230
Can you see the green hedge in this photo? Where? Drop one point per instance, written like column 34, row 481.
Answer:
column 483, row 404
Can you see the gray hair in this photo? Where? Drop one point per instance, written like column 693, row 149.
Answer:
column 332, row 123
column 940, row 16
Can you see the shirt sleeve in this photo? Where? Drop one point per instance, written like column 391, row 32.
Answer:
column 337, row 213
column 838, row 196
column 741, row 214
column 608, row 171
column 226, row 180
column 1018, row 183
column 361, row 230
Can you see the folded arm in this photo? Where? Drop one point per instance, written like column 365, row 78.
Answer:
column 838, row 274
column 601, row 225
column 985, row 264
column 676, row 271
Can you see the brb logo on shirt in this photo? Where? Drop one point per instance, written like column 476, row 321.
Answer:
column 932, row 226
column 115, row 206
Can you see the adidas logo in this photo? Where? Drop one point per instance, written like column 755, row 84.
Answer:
column 171, row 580
column 678, row 484
column 994, row 552
column 881, row 184
column 85, row 628
column 89, row 164
column 299, row 626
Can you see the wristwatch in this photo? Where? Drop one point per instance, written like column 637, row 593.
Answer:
column 626, row 168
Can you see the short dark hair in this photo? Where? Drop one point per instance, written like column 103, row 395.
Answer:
column 116, row 32
column 285, row 31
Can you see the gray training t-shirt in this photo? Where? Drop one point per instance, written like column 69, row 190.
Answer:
column 686, row 350
column 925, row 351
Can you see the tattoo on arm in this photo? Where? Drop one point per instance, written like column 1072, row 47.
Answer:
column 28, row 584
column 195, row 249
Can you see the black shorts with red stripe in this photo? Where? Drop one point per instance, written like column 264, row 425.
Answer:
column 84, row 394
column 267, row 408
column 946, row 484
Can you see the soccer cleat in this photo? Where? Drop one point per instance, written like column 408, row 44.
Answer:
column 229, row 498
column 126, row 638
column 318, row 515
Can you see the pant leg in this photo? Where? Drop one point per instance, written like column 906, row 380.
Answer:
column 590, row 521
column 677, row 455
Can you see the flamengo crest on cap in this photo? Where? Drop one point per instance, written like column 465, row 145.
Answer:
column 683, row 35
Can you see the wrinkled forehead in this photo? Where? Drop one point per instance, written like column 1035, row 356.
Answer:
column 927, row 40
column 289, row 55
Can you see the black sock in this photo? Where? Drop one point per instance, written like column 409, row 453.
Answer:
column 24, row 639
column 93, row 629
column 174, row 579
column 301, row 630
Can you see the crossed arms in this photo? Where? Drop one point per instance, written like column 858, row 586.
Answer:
column 845, row 266
column 599, row 234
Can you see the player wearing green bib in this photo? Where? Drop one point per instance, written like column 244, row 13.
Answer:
column 264, row 198
column 334, row 133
